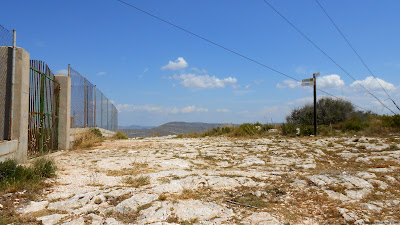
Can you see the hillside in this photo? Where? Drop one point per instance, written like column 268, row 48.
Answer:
column 171, row 128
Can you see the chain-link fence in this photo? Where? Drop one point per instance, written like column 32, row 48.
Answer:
column 89, row 106
column 6, row 40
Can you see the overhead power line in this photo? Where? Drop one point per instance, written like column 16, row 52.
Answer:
column 223, row 47
column 359, row 57
column 323, row 52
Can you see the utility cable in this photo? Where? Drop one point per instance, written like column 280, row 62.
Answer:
column 223, row 47
column 323, row 52
column 359, row 57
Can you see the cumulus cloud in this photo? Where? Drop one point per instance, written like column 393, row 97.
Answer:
column 180, row 63
column 330, row 82
column 62, row 72
column 203, row 71
column 288, row 84
column 204, row 81
column 371, row 84
column 159, row 109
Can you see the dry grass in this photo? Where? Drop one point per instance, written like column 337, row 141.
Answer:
column 87, row 139
column 137, row 182
column 136, row 169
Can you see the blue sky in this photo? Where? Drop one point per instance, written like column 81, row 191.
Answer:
column 156, row 73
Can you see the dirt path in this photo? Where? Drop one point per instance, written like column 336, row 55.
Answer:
column 225, row 181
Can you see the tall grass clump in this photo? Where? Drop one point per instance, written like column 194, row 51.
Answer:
column 14, row 177
column 88, row 138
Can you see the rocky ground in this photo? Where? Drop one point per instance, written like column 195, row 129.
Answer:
column 273, row 180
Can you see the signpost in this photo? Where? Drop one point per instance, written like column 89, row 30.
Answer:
column 313, row 82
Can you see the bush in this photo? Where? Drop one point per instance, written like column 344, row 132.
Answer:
column 354, row 125
column 15, row 177
column 120, row 135
column 329, row 111
column 391, row 121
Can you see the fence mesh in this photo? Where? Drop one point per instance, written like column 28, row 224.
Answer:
column 89, row 106
column 6, row 39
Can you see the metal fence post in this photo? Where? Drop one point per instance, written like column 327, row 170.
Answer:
column 107, row 114
column 85, row 117
column 101, row 105
column 95, row 105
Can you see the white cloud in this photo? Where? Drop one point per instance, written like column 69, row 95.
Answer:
column 62, row 72
column 159, row 109
column 180, row 63
column 288, row 84
column 101, row 73
column 203, row 71
column 330, row 82
column 204, row 81
column 371, row 84
column 223, row 110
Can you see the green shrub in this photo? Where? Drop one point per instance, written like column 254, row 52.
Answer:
column 391, row 121
column 288, row 129
column 354, row 125
column 96, row 132
column 329, row 111
column 16, row 177
column 120, row 135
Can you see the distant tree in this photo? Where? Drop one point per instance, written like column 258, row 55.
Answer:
column 329, row 111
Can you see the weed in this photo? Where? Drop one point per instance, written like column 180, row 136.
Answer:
column 137, row 182
column 14, row 177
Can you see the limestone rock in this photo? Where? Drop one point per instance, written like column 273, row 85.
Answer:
column 261, row 218
column 79, row 221
column 51, row 219
column 131, row 204
column 35, row 206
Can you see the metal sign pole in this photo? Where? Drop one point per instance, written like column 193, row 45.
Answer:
column 315, row 104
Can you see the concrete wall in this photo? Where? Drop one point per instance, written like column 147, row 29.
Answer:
column 20, row 109
column 65, row 112
column 8, row 149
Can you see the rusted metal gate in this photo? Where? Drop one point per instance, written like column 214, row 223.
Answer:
column 44, row 93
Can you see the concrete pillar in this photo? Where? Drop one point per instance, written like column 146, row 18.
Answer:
column 20, row 104
column 65, row 112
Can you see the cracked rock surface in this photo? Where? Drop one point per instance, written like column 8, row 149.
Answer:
column 218, row 180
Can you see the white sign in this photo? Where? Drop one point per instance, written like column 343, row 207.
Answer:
column 307, row 83
column 317, row 74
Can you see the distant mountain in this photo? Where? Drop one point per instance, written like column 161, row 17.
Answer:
column 172, row 128
column 136, row 127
